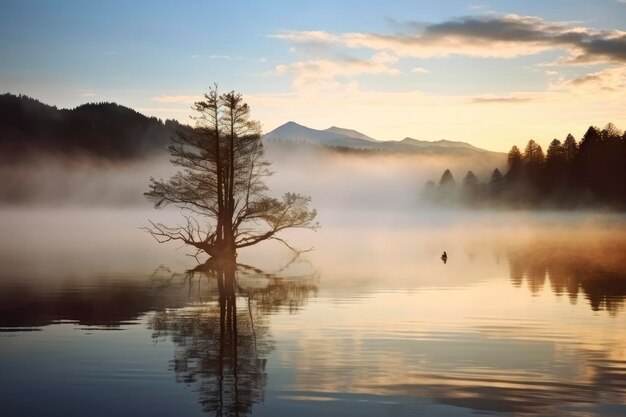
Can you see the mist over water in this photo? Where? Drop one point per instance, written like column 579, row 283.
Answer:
column 334, row 180
column 48, row 181
column 354, row 181
column 525, row 317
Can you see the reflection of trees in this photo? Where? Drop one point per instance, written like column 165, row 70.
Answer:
column 221, row 337
column 596, row 271
column 105, row 302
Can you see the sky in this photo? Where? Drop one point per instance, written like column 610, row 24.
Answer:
column 491, row 73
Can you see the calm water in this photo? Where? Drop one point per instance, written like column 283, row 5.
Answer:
column 525, row 318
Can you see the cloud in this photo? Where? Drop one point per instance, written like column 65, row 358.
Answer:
column 88, row 95
column 588, row 79
column 227, row 57
column 502, row 36
column 307, row 37
column 321, row 74
column 606, row 80
column 488, row 99
column 477, row 6
column 419, row 70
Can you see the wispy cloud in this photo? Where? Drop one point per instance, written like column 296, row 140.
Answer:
column 489, row 99
column 308, row 37
column 503, row 36
column 478, row 6
column 322, row 73
column 609, row 79
column 419, row 70
column 227, row 57
column 88, row 95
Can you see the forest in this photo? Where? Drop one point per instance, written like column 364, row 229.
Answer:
column 570, row 174
column 105, row 131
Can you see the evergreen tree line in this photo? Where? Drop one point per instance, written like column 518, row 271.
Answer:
column 99, row 130
column 569, row 174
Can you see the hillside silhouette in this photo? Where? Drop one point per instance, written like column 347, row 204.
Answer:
column 100, row 130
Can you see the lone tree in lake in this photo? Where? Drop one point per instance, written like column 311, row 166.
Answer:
column 220, row 188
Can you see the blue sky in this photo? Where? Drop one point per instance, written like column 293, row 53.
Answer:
column 456, row 69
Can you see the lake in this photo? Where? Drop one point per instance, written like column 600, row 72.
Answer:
column 526, row 317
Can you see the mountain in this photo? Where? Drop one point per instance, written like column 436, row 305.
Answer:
column 440, row 143
column 349, row 132
column 102, row 130
column 334, row 136
column 292, row 132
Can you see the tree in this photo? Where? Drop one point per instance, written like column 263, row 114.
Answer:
column 470, row 190
column 533, row 154
column 220, row 188
column 555, row 173
column 470, row 181
column 447, row 180
column 447, row 189
column 570, row 148
column 611, row 183
column 555, row 152
column 496, row 183
column 533, row 163
column 589, row 161
column 611, row 133
column 514, row 162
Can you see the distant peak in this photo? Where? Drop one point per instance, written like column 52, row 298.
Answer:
column 350, row 133
column 292, row 123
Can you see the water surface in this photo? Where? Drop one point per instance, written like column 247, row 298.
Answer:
column 525, row 318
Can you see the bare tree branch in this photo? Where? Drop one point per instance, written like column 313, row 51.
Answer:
column 222, row 182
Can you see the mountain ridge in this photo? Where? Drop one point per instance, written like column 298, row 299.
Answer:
column 338, row 137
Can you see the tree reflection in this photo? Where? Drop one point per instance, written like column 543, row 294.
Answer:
column 221, row 336
column 596, row 271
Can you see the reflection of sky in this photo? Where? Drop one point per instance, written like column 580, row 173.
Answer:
column 473, row 347
column 70, row 371
column 460, row 334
